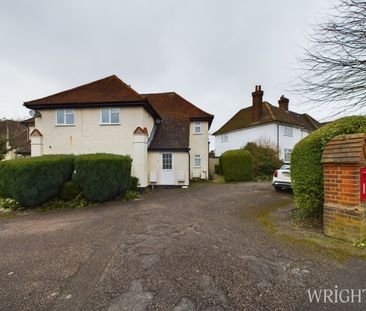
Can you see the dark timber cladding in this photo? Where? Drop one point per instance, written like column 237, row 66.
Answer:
column 345, row 149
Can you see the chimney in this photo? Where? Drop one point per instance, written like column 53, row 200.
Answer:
column 257, row 110
column 283, row 103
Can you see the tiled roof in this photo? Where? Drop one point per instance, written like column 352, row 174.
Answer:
column 271, row 113
column 28, row 122
column 176, row 113
column 107, row 90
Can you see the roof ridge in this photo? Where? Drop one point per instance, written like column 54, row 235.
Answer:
column 124, row 83
column 71, row 89
column 192, row 104
column 85, row 85
column 159, row 93
column 311, row 119
column 269, row 107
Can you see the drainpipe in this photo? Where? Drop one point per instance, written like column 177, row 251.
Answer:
column 278, row 139
column 189, row 166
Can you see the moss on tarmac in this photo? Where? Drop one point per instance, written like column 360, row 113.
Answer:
column 278, row 219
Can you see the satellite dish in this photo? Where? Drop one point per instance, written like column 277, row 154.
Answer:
column 34, row 113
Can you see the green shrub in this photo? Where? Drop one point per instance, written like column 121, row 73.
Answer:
column 265, row 159
column 237, row 165
column 69, row 191
column 134, row 183
column 217, row 169
column 9, row 203
column 221, row 169
column 306, row 166
column 102, row 176
column 56, row 203
column 32, row 181
column 131, row 195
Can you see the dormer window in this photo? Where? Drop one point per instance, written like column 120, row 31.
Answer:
column 197, row 127
column 110, row 116
column 65, row 117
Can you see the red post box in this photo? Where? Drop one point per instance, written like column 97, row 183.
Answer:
column 363, row 184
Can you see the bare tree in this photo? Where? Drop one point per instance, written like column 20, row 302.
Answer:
column 13, row 135
column 334, row 67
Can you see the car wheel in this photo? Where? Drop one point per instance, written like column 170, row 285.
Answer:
column 277, row 188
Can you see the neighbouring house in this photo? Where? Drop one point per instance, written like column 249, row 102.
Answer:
column 262, row 121
column 166, row 135
column 14, row 140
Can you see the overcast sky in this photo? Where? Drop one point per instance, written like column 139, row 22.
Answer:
column 212, row 52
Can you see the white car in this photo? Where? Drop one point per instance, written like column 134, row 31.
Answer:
column 282, row 177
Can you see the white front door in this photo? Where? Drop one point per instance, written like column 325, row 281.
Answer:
column 167, row 172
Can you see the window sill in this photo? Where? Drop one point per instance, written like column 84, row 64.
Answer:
column 197, row 133
column 108, row 124
column 64, row 125
column 197, row 166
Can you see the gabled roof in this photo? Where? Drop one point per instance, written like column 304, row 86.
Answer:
column 176, row 113
column 243, row 119
column 107, row 90
column 36, row 132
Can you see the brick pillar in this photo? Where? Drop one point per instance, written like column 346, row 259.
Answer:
column 344, row 212
column 344, row 215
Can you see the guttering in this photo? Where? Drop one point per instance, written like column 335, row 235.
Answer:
column 278, row 139
column 145, row 104
column 207, row 118
column 184, row 149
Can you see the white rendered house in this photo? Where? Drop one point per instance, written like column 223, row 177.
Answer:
column 166, row 136
column 264, row 122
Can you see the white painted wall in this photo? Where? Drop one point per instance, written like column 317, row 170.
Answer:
column 139, row 156
column 239, row 138
column 88, row 135
column 180, row 164
column 199, row 146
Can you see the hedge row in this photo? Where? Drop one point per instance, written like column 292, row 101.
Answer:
column 237, row 165
column 306, row 166
column 102, row 176
column 32, row 181
column 265, row 159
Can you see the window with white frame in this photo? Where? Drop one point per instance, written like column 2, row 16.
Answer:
column 197, row 160
column 224, row 138
column 288, row 131
column 167, row 161
column 287, row 155
column 65, row 116
column 110, row 115
column 197, row 127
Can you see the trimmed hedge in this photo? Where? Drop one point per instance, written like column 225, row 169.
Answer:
column 69, row 191
column 306, row 166
column 134, row 183
column 103, row 176
column 237, row 165
column 32, row 181
column 265, row 159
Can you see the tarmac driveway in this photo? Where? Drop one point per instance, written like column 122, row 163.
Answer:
column 182, row 249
